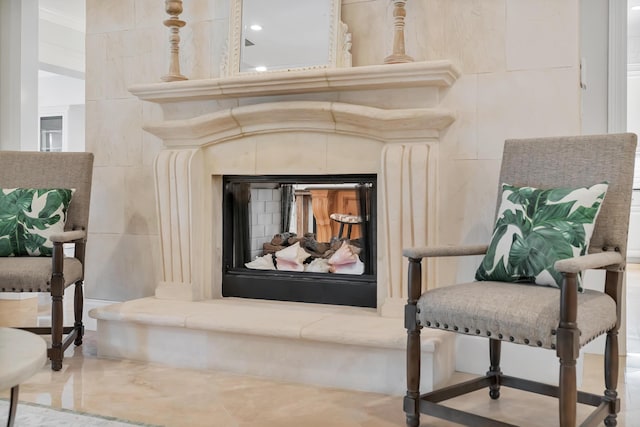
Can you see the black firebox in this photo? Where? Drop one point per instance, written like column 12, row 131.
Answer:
column 309, row 238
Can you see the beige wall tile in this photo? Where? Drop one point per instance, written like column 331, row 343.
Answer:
column 114, row 132
column 460, row 140
column 121, row 267
column 151, row 13
column 466, row 207
column 196, row 51
column 108, row 197
column 542, row 34
column 96, row 66
column 526, row 104
column 113, row 15
column 470, row 33
column 140, row 203
column 220, row 35
column 368, row 23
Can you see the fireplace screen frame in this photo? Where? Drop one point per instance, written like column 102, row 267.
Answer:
column 322, row 288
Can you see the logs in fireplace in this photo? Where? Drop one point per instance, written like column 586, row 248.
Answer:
column 300, row 238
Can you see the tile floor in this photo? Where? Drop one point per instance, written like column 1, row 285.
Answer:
column 166, row 396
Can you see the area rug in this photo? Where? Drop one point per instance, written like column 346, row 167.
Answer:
column 33, row 415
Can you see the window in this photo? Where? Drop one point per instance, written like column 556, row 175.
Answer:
column 51, row 133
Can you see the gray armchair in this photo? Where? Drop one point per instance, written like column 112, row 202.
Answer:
column 49, row 271
column 561, row 318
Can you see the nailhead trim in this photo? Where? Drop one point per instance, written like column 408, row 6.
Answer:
column 500, row 336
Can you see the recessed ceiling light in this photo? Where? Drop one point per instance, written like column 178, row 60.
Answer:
column 261, row 68
column 256, row 27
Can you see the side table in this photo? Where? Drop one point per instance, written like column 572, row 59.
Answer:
column 22, row 354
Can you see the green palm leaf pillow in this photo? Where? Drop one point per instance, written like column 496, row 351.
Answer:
column 535, row 228
column 28, row 216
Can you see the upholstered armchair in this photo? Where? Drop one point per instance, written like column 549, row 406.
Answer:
column 563, row 208
column 44, row 204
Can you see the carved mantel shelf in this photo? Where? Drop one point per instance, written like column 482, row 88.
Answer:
column 412, row 124
column 390, row 76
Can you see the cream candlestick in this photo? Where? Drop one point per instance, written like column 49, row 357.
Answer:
column 174, row 9
column 399, row 14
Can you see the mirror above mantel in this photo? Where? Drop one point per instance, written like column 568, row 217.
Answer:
column 285, row 35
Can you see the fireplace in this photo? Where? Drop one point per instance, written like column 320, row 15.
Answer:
column 304, row 238
column 381, row 121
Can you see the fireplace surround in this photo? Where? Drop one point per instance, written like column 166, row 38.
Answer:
column 382, row 120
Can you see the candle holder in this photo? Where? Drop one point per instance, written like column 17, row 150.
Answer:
column 174, row 9
column 398, row 56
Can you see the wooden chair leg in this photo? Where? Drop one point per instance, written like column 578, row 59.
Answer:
column 613, row 288
column 568, row 348
column 57, row 315
column 55, row 353
column 611, row 376
column 78, row 302
column 412, row 398
column 13, row 405
column 494, row 369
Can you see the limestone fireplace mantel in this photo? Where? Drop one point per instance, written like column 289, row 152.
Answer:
column 305, row 122
column 391, row 76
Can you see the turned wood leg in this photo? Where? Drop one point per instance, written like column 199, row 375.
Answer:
column 568, row 393
column 568, row 348
column 57, row 316
column 55, row 353
column 412, row 398
column 13, row 405
column 611, row 377
column 613, row 288
column 78, row 301
column 494, row 369
column 413, row 379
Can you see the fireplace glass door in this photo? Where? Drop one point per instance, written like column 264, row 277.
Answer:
column 300, row 238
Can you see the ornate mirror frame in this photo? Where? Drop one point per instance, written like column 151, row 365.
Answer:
column 339, row 43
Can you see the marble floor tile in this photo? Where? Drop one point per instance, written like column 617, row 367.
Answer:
column 160, row 395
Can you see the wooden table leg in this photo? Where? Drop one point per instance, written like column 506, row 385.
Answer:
column 13, row 405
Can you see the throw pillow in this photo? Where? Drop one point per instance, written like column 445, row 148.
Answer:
column 28, row 216
column 537, row 227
